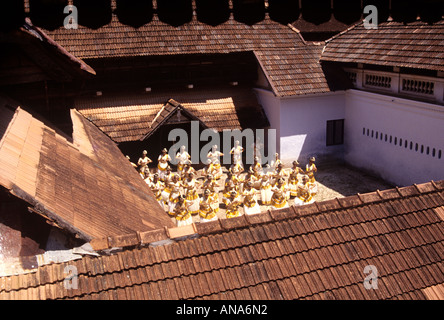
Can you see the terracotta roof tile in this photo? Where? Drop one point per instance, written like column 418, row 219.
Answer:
column 265, row 217
column 317, row 256
column 332, row 204
column 306, row 209
column 218, row 260
column 135, row 117
column 285, row 58
column 438, row 184
column 209, row 227
column 298, row 286
column 392, row 44
column 425, row 187
column 58, row 181
column 237, row 222
column 433, row 200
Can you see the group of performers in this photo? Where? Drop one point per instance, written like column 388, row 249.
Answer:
column 243, row 191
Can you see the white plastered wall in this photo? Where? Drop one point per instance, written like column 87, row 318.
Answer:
column 301, row 124
column 413, row 121
column 301, row 130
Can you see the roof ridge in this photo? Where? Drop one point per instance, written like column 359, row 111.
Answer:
column 344, row 31
column 77, row 112
column 31, row 28
column 293, row 28
column 157, row 115
column 176, row 106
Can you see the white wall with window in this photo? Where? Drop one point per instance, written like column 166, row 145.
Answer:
column 301, row 124
column 397, row 137
column 400, row 140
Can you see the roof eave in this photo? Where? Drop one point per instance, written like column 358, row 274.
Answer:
column 177, row 106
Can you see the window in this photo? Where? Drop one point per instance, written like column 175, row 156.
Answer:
column 335, row 132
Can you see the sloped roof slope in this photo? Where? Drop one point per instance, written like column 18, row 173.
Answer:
column 317, row 251
column 413, row 45
column 56, row 62
column 85, row 186
column 129, row 117
column 280, row 50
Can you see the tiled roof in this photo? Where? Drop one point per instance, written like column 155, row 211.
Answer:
column 166, row 113
column 247, row 11
column 331, row 26
column 294, row 71
column 39, row 53
column 85, row 186
column 316, row 251
column 29, row 28
column 413, row 45
column 129, row 117
column 280, row 50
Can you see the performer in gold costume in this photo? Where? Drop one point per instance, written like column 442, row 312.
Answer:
column 236, row 152
column 206, row 212
column 143, row 163
column 311, row 169
column 181, row 213
column 256, row 168
column 211, row 185
column 250, row 202
column 190, row 189
column 183, row 157
column 216, row 169
column 174, row 186
column 233, row 204
column 304, row 195
column 230, row 185
column 162, row 163
column 279, row 198
column 157, row 186
column 293, row 179
column 266, row 190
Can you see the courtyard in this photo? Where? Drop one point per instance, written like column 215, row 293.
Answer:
column 334, row 181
